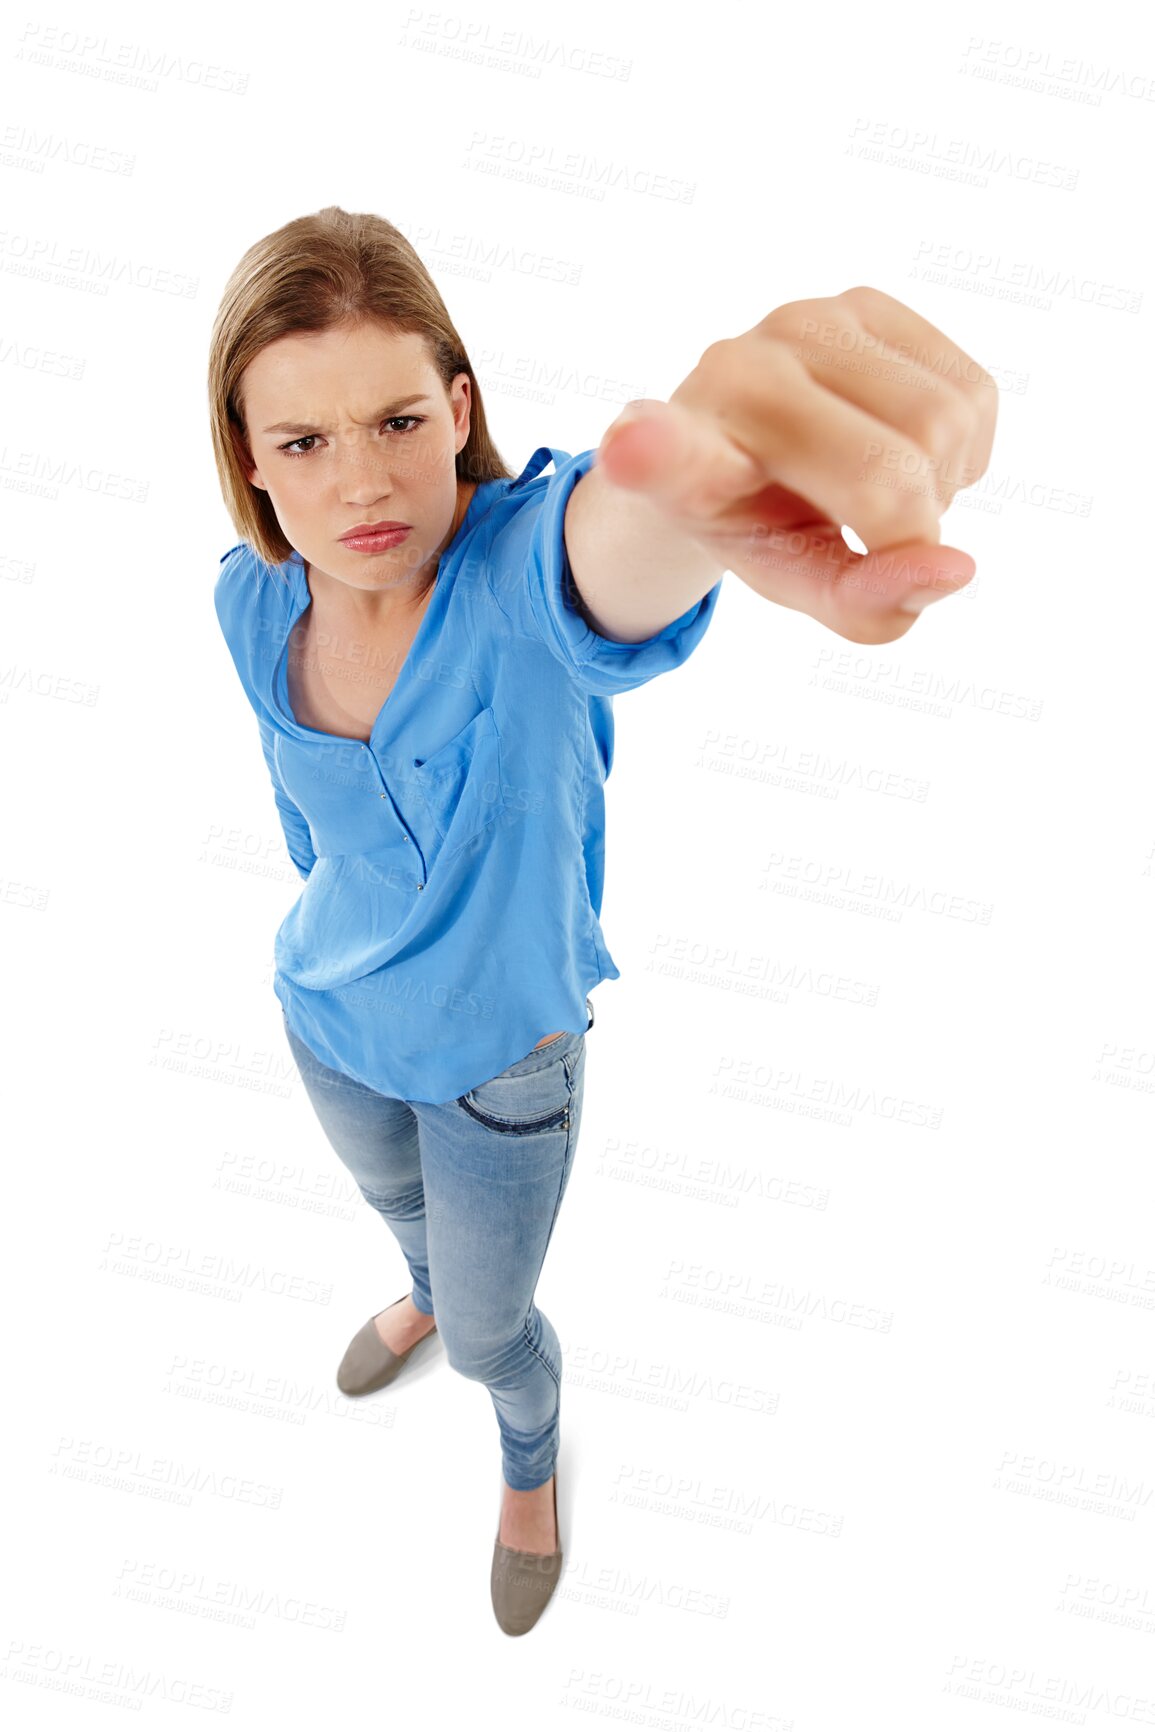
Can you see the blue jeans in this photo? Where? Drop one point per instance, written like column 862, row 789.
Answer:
column 471, row 1190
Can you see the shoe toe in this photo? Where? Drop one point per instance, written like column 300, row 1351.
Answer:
column 368, row 1363
column 521, row 1585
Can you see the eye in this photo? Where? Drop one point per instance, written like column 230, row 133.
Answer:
column 290, row 451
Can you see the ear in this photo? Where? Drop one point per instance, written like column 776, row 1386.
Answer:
column 461, row 411
column 461, row 437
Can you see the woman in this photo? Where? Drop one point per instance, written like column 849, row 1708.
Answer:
column 436, row 720
column 431, row 646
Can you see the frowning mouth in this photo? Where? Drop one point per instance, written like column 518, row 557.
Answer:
column 375, row 537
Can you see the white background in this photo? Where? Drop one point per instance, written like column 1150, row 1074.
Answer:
column 855, row 1275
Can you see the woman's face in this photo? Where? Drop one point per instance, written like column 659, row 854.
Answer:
column 352, row 426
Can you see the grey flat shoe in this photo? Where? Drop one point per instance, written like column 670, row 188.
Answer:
column 368, row 1364
column 521, row 1583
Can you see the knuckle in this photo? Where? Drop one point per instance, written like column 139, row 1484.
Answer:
column 863, row 298
column 719, row 356
column 947, row 425
column 743, row 369
column 783, row 321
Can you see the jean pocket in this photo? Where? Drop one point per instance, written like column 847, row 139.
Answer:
column 526, row 1104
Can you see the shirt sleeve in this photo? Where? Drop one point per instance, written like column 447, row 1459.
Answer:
column 530, row 578
column 293, row 822
column 234, row 596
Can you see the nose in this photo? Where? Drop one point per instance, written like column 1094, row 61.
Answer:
column 364, row 472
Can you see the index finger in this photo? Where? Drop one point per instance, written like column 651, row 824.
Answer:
column 750, row 416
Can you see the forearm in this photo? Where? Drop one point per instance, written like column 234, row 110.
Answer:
column 635, row 570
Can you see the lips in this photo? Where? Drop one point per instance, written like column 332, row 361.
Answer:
column 373, row 529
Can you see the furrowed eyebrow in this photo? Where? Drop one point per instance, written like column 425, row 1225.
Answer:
column 301, row 430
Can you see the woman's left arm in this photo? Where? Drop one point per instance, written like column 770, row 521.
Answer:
column 846, row 410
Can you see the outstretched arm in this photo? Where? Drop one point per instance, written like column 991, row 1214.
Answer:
column 852, row 410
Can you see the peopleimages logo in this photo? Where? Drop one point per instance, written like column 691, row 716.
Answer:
column 830, row 882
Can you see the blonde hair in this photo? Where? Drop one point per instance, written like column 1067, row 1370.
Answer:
column 318, row 271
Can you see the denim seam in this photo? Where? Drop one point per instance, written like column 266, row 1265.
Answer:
column 556, row 1207
column 538, row 1357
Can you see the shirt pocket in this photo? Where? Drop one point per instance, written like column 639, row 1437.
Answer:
column 460, row 783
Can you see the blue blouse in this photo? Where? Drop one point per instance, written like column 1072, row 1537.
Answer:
column 454, row 864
